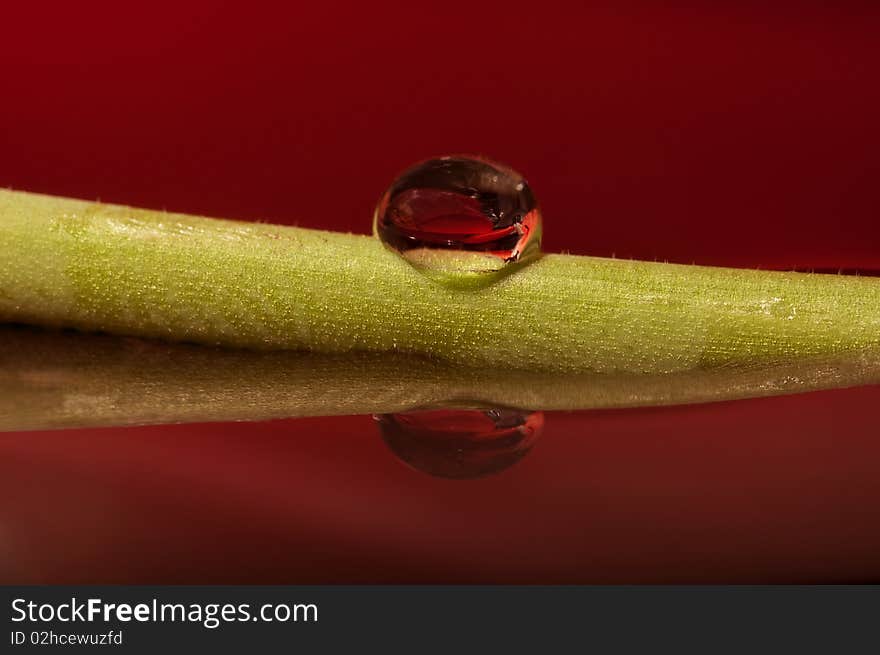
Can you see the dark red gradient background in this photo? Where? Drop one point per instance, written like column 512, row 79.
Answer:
column 718, row 133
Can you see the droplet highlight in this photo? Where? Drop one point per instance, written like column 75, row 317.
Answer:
column 461, row 444
column 482, row 209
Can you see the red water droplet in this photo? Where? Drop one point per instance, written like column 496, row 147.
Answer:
column 461, row 443
column 460, row 203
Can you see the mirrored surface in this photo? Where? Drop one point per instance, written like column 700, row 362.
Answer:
column 775, row 489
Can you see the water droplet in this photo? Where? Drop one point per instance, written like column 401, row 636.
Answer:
column 483, row 210
column 461, row 443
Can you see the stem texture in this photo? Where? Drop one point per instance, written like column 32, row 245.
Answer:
column 150, row 273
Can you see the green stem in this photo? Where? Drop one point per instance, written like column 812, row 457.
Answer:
column 156, row 274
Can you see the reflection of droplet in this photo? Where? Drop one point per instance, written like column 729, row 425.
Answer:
column 461, row 443
column 464, row 204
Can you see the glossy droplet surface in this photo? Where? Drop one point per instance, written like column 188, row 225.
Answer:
column 461, row 443
column 466, row 204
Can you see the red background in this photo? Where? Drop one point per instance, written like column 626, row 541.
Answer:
column 718, row 133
